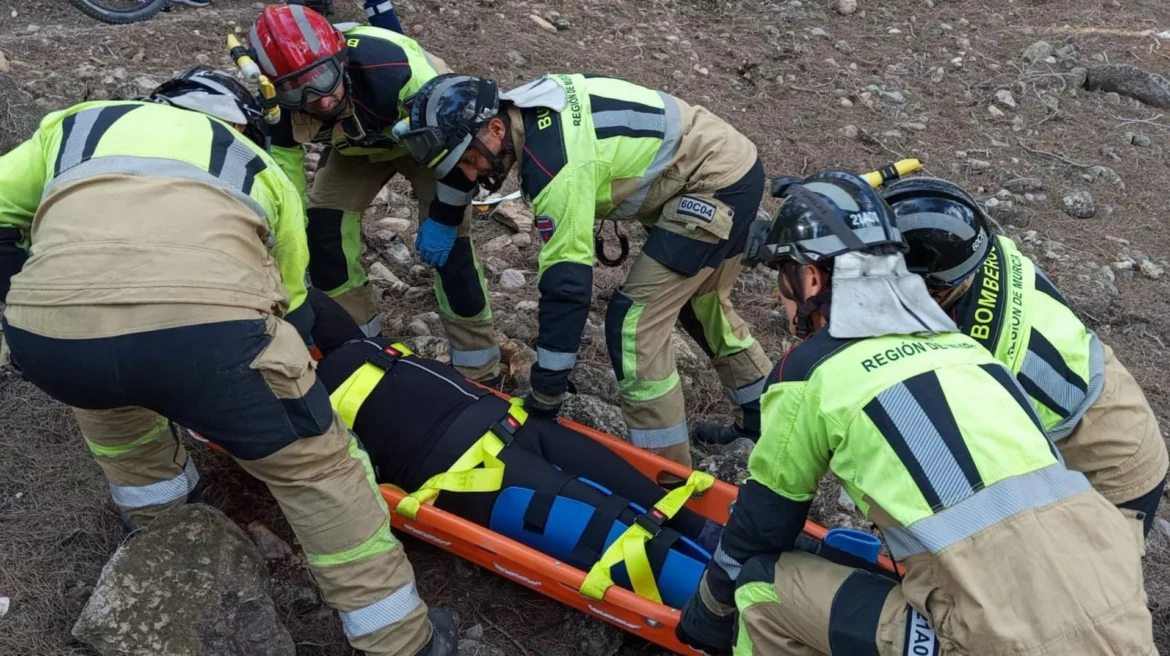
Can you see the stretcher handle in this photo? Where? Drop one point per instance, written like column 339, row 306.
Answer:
column 891, row 172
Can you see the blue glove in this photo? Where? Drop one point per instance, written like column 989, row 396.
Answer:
column 434, row 242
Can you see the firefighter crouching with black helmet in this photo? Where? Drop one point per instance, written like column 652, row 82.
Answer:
column 1005, row 550
column 589, row 148
column 157, row 260
column 347, row 89
column 1091, row 406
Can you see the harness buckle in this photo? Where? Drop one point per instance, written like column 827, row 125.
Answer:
column 651, row 521
column 505, row 429
column 384, row 358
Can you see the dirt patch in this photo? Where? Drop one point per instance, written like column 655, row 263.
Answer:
column 812, row 88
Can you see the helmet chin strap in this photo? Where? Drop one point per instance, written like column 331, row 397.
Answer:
column 793, row 287
column 494, row 180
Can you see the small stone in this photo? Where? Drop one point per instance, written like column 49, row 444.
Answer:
column 1037, row 52
column 562, row 24
column 895, row 97
column 33, row 29
column 543, row 24
column 1140, row 140
column 298, row 600
column 1113, row 98
column 995, row 111
column 936, row 75
column 843, row 46
column 401, row 227
column 1079, row 204
column 1024, row 185
column 1005, row 98
column 849, row 132
column 845, row 502
column 511, row 279
column 474, row 633
column 846, row 7
column 383, row 276
column 527, row 306
column 4, row 68
column 522, row 239
column 429, row 318
column 1151, row 270
column 945, row 27
column 992, row 202
column 1077, row 77
column 18, row 496
column 1105, row 173
column 387, row 236
column 271, row 546
column 497, row 245
column 894, row 30
column 845, row 102
column 979, row 164
column 418, row 329
column 816, row 31
column 1161, row 527
column 1125, row 265
column 145, row 84
column 516, row 58
column 703, row 70
column 1066, row 52
column 5, row 602
column 400, row 253
column 917, row 127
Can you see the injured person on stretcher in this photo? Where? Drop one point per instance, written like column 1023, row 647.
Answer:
column 561, row 492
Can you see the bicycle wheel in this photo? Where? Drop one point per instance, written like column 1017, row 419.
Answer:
column 120, row 12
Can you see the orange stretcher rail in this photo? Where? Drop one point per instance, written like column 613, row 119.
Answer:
column 622, row 608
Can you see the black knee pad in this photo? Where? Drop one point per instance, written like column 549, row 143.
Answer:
column 327, row 266
column 460, row 280
column 615, row 318
column 758, row 569
column 1147, row 504
column 690, row 323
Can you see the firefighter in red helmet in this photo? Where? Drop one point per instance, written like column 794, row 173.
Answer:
column 347, row 88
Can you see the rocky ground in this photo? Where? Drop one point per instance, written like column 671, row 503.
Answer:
column 990, row 94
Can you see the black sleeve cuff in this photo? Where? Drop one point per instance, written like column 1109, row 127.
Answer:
column 12, row 258
column 302, row 319
column 448, row 215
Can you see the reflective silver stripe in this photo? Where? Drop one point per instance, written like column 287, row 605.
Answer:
column 672, row 131
column 452, row 196
column 747, row 393
column 1041, row 373
column 157, row 494
column 629, row 118
column 388, row 610
column 555, row 360
column 833, row 243
column 928, row 447
column 156, row 167
column 73, row 147
column 984, row 508
column 448, row 163
column 657, row 438
column 474, row 358
column 1096, row 384
column 302, row 20
column 379, row 9
column 373, row 327
column 729, row 565
column 261, row 55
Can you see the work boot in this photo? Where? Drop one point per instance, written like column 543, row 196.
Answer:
column 711, row 433
column 444, row 634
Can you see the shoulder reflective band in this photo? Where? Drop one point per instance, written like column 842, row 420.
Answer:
column 466, row 475
column 630, row 547
column 349, row 396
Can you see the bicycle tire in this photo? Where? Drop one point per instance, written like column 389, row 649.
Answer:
column 96, row 11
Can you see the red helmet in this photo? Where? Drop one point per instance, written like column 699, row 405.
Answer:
column 300, row 50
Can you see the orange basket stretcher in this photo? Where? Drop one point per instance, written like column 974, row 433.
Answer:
column 647, row 619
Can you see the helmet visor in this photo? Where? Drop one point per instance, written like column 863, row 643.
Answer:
column 318, row 80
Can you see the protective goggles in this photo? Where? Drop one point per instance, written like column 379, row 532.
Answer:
column 317, row 80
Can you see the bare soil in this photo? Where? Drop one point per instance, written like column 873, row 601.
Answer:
column 911, row 77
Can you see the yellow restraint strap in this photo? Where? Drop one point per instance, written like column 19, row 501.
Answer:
column 630, row 547
column 466, row 475
column 348, row 398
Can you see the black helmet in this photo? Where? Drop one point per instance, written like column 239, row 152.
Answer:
column 217, row 94
column 823, row 216
column 944, row 226
column 445, row 116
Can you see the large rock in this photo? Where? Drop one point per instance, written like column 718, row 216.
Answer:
column 1149, row 88
column 435, row 348
column 595, row 381
column 1079, row 204
column 595, row 413
column 189, row 583
column 730, row 463
column 685, row 356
